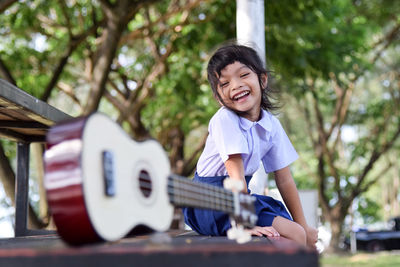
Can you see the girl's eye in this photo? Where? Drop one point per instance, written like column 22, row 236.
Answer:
column 224, row 84
column 244, row 75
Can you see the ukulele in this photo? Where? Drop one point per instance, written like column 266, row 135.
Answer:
column 101, row 184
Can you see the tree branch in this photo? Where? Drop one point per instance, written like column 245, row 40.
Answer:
column 6, row 73
column 324, row 142
column 387, row 40
column 4, row 4
column 173, row 9
column 376, row 154
column 189, row 164
column 73, row 44
column 359, row 189
column 68, row 90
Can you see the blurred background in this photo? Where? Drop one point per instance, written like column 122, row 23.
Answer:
column 143, row 63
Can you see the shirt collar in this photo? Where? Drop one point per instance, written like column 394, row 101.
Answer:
column 264, row 122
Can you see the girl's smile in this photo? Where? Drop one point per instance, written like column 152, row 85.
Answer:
column 240, row 90
column 241, row 96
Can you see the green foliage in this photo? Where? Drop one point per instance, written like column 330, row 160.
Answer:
column 314, row 44
column 183, row 98
column 370, row 210
column 316, row 38
column 10, row 150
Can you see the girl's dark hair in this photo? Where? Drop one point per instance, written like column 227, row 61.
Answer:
column 230, row 53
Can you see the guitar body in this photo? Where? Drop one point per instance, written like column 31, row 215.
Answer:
column 101, row 184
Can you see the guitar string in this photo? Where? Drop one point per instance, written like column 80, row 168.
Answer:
column 216, row 196
column 202, row 188
column 184, row 191
column 193, row 187
column 200, row 202
column 209, row 189
column 230, row 208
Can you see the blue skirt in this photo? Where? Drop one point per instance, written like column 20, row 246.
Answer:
column 215, row 223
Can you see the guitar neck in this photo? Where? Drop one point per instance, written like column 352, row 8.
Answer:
column 186, row 193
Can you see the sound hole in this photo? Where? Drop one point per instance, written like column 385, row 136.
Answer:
column 145, row 183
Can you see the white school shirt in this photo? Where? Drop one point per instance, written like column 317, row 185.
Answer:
column 264, row 140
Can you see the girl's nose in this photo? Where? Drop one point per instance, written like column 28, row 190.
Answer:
column 236, row 83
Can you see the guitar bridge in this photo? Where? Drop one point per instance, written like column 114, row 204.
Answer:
column 108, row 173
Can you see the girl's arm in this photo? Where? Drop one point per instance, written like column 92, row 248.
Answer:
column 288, row 190
column 234, row 167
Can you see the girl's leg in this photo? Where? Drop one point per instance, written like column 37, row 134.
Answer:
column 290, row 230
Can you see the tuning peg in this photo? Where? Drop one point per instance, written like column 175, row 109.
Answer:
column 250, row 199
column 253, row 219
column 247, row 199
column 239, row 234
column 233, row 185
column 245, row 215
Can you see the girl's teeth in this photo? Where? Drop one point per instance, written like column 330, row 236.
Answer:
column 242, row 94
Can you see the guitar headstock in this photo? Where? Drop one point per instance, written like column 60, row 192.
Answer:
column 244, row 212
column 246, row 216
column 244, row 205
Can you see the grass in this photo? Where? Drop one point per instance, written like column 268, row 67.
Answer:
column 379, row 259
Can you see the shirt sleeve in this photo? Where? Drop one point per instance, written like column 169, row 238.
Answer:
column 281, row 153
column 225, row 131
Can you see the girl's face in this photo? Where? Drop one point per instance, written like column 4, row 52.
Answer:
column 239, row 89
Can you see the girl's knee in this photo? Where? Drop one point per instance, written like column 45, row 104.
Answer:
column 299, row 234
column 290, row 230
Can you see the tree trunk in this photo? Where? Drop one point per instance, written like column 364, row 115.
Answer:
column 336, row 231
column 106, row 53
column 117, row 17
column 37, row 155
column 395, row 206
column 177, row 139
column 336, row 218
column 7, row 178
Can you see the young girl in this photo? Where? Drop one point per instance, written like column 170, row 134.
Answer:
column 241, row 134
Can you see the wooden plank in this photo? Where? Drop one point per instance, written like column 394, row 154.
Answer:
column 22, row 124
column 24, row 119
column 16, row 99
column 157, row 250
column 13, row 114
column 19, row 136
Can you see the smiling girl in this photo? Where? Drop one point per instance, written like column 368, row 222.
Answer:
column 242, row 133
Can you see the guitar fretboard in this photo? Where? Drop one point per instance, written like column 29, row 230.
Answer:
column 186, row 193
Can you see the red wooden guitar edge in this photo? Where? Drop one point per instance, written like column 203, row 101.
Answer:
column 66, row 199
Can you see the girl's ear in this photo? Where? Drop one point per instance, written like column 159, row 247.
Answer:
column 264, row 80
column 217, row 97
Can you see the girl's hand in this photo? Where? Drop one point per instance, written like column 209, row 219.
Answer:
column 312, row 236
column 263, row 230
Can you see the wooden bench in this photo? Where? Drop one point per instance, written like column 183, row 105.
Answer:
column 161, row 249
column 24, row 119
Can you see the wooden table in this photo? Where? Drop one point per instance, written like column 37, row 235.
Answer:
column 163, row 249
column 24, row 119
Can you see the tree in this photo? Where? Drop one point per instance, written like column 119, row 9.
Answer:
column 332, row 71
column 143, row 63
column 115, row 57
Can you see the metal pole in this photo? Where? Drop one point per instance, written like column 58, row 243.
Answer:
column 353, row 242
column 250, row 31
column 250, row 25
column 22, row 189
